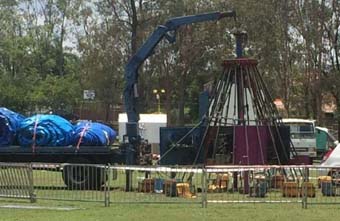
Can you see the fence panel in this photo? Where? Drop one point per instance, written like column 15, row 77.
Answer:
column 323, row 185
column 156, row 185
column 70, row 182
column 273, row 184
column 16, row 181
column 254, row 184
column 304, row 185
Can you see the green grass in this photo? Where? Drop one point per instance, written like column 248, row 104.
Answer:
column 180, row 212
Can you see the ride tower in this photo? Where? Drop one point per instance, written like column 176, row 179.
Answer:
column 242, row 124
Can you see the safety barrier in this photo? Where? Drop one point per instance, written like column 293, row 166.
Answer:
column 326, row 181
column 257, row 184
column 71, row 182
column 156, row 185
column 305, row 185
column 16, row 181
column 273, row 184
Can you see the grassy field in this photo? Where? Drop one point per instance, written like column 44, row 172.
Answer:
column 138, row 212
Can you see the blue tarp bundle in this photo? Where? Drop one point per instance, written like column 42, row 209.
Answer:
column 9, row 123
column 45, row 130
column 93, row 134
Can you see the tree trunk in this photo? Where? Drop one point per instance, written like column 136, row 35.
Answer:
column 107, row 112
column 286, row 63
column 181, row 100
column 60, row 58
column 134, row 26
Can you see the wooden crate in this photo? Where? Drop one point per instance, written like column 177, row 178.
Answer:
column 277, row 181
column 219, row 184
column 183, row 190
column 290, row 189
column 170, row 188
column 308, row 188
column 210, row 161
column 222, row 181
column 146, row 186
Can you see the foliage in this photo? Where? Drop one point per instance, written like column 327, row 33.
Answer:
column 51, row 50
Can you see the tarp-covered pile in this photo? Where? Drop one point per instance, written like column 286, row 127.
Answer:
column 9, row 123
column 93, row 134
column 45, row 130
column 51, row 130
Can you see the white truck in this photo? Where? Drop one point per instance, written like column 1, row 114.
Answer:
column 303, row 136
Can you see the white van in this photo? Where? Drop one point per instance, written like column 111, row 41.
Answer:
column 303, row 136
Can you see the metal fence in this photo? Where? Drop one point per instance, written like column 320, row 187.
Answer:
column 307, row 185
column 16, row 181
column 304, row 185
column 156, row 185
column 71, row 182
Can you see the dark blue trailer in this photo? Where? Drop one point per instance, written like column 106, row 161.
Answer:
column 88, row 175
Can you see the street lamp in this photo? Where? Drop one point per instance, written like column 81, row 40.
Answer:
column 158, row 92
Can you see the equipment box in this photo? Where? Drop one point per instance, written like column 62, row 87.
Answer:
column 260, row 189
column 290, row 189
column 183, row 190
column 170, row 188
column 146, row 186
column 159, row 185
column 327, row 188
column 277, row 181
column 308, row 189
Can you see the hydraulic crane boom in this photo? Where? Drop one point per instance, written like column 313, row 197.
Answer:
column 131, row 70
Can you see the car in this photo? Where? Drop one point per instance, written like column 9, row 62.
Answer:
column 325, row 141
column 332, row 157
column 331, row 162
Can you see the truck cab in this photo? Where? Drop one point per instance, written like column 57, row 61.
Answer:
column 324, row 141
column 303, row 136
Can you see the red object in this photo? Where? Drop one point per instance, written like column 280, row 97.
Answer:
column 239, row 61
column 251, row 145
column 35, row 133
column 82, row 135
column 325, row 157
column 301, row 160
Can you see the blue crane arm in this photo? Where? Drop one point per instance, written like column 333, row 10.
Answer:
column 131, row 69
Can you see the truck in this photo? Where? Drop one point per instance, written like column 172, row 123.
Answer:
column 303, row 137
column 308, row 139
column 325, row 141
column 133, row 148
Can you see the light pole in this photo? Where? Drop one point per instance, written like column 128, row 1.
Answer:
column 158, row 93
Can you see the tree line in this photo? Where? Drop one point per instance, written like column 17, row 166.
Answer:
column 52, row 50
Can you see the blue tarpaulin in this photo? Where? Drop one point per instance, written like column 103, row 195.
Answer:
column 9, row 123
column 45, row 130
column 93, row 134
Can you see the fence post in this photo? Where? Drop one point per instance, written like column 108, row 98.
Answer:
column 107, row 185
column 304, row 188
column 204, row 188
column 31, row 184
